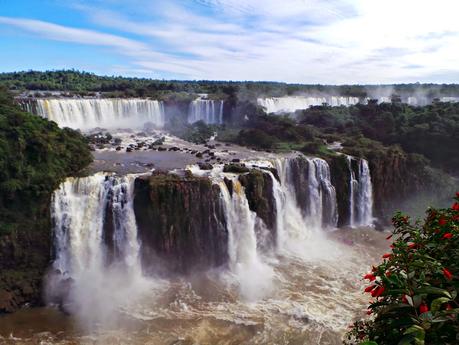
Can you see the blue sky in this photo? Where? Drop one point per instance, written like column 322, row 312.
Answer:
column 306, row 41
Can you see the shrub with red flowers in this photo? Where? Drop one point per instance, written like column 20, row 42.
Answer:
column 415, row 288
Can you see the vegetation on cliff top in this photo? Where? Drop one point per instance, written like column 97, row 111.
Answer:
column 116, row 86
column 415, row 288
column 35, row 155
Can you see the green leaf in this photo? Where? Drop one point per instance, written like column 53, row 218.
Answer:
column 436, row 303
column 414, row 329
column 433, row 291
column 369, row 343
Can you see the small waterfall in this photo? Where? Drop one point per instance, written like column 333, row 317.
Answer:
column 290, row 104
column 308, row 182
column 209, row 111
column 86, row 114
column 360, row 193
column 254, row 276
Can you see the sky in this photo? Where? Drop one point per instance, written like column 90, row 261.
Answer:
column 298, row 41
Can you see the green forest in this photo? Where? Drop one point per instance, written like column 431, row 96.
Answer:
column 85, row 83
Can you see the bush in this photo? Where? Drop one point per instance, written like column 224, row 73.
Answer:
column 415, row 288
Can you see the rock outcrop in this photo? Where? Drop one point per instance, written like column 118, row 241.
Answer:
column 180, row 222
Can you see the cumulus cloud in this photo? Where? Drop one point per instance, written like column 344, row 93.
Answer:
column 308, row 41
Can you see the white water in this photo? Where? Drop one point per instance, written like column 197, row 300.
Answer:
column 289, row 104
column 252, row 273
column 86, row 114
column 306, row 275
column 209, row 111
column 292, row 103
column 99, row 282
column 360, row 194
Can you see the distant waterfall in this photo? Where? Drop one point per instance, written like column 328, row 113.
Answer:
column 360, row 193
column 289, row 104
column 86, row 114
column 209, row 111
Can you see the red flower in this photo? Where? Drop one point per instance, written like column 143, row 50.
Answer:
column 423, row 308
column 447, row 235
column 389, row 237
column 392, row 246
column 388, row 274
column 404, row 299
column 369, row 312
column 449, row 307
column 387, row 256
column 455, row 206
column 378, row 291
column 412, row 245
column 457, row 194
column 370, row 288
column 448, row 275
column 442, row 221
column 369, row 276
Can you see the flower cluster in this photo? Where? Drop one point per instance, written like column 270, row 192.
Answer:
column 415, row 288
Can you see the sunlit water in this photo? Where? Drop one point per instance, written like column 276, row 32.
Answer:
column 313, row 299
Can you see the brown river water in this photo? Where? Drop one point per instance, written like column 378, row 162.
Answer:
column 308, row 299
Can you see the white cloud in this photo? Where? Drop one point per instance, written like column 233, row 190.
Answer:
column 309, row 41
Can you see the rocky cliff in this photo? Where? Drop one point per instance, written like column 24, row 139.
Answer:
column 180, row 222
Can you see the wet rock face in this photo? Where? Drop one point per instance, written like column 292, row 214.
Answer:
column 396, row 177
column 181, row 223
column 299, row 172
column 340, row 177
column 258, row 187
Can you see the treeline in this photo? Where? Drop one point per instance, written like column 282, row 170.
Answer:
column 85, row 83
column 431, row 131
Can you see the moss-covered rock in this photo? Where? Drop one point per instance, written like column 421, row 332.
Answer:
column 235, row 168
column 258, row 187
column 181, row 223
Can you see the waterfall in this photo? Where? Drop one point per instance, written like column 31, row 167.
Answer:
column 86, row 114
column 96, row 268
column 307, row 181
column 254, row 275
column 79, row 209
column 209, row 111
column 360, row 193
column 290, row 104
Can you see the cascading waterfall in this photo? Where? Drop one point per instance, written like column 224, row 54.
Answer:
column 320, row 204
column 360, row 193
column 324, row 196
column 79, row 210
column 289, row 104
column 209, row 111
column 86, row 114
column 254, row 276
column 96, row 247
column 292, row 103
